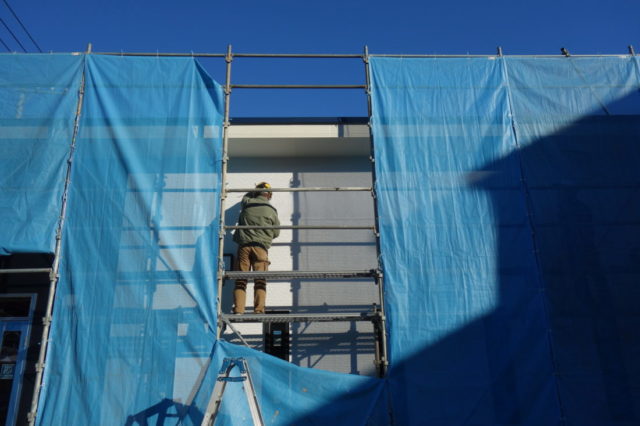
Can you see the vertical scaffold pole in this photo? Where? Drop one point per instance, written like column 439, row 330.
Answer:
column 55, row 268
column 223, row 186
column 383, row 362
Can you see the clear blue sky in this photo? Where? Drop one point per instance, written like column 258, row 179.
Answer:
column 328, row 26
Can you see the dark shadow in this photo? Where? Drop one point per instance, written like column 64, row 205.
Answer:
column 167, row 411
column 230, row 218
column 561, row 345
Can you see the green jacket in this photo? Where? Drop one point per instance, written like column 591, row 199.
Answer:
column 257, row 211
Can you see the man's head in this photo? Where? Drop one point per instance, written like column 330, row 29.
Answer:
column 264, row 185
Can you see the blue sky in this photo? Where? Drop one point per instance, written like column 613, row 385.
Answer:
column 329, row 26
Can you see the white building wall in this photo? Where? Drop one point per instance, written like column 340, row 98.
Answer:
column 342, row 347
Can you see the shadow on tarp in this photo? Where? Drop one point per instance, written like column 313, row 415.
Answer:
column 582, row 193
column 164, row 412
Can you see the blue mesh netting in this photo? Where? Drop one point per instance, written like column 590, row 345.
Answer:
column 135, row 310
column 509, row 234
column 508, row 210
column 38, row 100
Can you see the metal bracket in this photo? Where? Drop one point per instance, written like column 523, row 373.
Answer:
column 46, row 321
column 39, row 367
column 565, row 52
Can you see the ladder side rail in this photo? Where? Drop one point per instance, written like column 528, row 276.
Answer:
column 214, row 403
column 252, row 399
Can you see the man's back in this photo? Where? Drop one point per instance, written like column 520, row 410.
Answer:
column 257, row 211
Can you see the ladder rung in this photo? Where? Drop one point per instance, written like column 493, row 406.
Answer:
column 25, row 271
column 369, row 227
column 280, row 318
column 239, row 275
column 305, row 189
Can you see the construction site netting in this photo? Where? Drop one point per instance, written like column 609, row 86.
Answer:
column 134, row 316
column 508, row 211
column 508, row 204
column 38, row 98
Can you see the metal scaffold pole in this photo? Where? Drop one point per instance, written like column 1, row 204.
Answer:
column 54, row 273
column 223, row 188
column 383, row 361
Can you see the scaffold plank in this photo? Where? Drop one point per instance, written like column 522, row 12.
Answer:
column 321, row 317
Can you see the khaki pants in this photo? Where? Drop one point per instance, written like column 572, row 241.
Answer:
column 251, row 257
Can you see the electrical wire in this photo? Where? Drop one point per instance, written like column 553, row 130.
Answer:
column 12, row 34
column 22, row 25
column 5, row 45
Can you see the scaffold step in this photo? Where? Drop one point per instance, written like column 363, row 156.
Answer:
column 241, row 275
column 321, row 317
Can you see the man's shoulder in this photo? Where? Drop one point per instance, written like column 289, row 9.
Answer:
column 257, row 202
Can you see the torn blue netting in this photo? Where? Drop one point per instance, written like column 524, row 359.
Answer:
column 509, row 238
column 288, row 394
column 38, row 101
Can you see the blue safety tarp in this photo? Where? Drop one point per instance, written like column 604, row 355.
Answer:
column 135, row 309
column 38, row 101
column 508, row 208
column 509, row 235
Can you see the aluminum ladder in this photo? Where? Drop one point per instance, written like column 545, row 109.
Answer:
column 221, row 384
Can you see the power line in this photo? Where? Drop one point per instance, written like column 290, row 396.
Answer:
column 22, row 25
column 5, row 45
column 12, row 34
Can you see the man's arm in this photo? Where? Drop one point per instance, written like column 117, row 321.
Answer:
column 276, row 222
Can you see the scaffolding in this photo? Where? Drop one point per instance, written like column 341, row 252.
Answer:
column 376, row 316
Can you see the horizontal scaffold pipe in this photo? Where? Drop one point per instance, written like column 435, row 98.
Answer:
column 337, row 56
column 25, row 271
column 372, row 55
column 173, row 55
column 307, row 189
column 236, row 55
column 298, row 86
column 367, row 227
